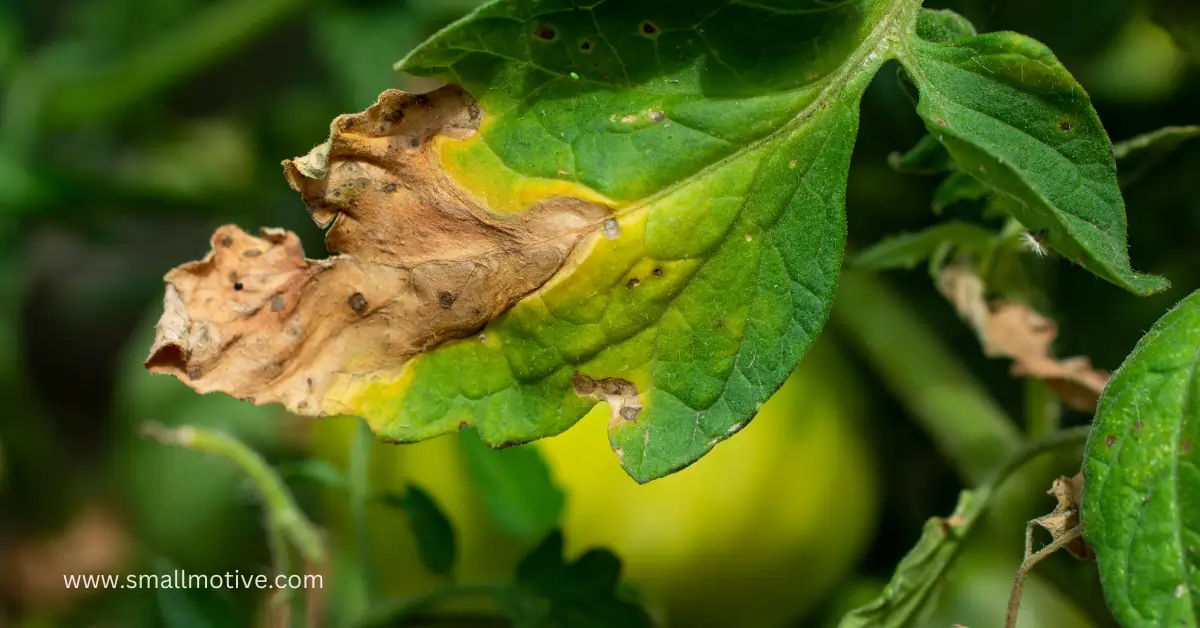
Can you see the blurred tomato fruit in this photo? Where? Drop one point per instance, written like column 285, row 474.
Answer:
column 756, row 533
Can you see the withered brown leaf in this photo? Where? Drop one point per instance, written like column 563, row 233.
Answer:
column 416, row 261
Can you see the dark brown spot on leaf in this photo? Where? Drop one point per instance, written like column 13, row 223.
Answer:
column 1137, row 426
column 630, row 413
column 445, row 299
column 585, row 46
column 649, row 29
column 1066, row 126
column 252, row 253
column 545, row 32
column 632, row 283
column 658, row 272
column 237, row 285
column 394, row 116
column 278, row 302
column 1109, row 440
column 941, row 122
column 358, row 303
column 1187, row 445
column 195, row 373
column 227, row 241
column 389, row 188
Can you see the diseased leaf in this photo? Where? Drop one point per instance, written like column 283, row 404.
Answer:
column 632, row 206
column 937, row 242
column 515, row 486
column 1011, row 116
column 1013, row 330
column 580, row 594
column 1141, row 499
column 1139, row 155
column 433, row 531
column 920, row 572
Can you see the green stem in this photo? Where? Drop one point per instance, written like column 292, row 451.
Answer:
column 393, row 613
column 1042, row 411
column 281, row 508
column 360, row 495
column 957, row 412
column 210, row 34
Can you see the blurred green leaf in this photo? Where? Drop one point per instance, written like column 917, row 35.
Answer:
column 1142, row 65
column 316, row 471
column 1182, row 19
column 433, row 531
column 1139, row 155
column 1008, row 111
column 956, row 188
column 195, row 607
column 582, row 594
column 937, row 242
column 1142, row 477
column 921, row 571
column 515, row 486
column 358, row 46
column 927, row 156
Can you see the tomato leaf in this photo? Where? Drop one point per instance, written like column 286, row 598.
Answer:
column 1011, row 116
column 956, row 188
column 580, row 594
column 1137, row 156
column 909, row 249
column 433, row 531
column 515, row 487
column 920, row 572
column 1141, row 501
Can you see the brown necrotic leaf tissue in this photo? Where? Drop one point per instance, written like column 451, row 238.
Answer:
column 416, row 261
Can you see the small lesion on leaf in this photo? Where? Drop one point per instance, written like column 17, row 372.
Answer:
column 620, row 394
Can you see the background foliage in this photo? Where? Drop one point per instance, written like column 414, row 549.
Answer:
column 129, row 129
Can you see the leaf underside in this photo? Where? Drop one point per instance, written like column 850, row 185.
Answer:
column 1141, row 501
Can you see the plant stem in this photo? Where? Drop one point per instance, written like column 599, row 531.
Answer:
column 287, row 526
column 393, row 613
column 1043, row 414
column 360, row 494
column 957, row 412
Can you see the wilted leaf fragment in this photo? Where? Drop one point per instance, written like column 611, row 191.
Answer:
column 1141, row 500
column 1012, row 117
column 920, row 572
column 937, row 243
column 1014, row 330
column 582, row 594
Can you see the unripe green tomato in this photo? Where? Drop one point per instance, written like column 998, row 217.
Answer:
column 756, row 533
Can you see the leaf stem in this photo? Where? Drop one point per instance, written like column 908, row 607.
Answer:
column 286, row 524
column 957, row 412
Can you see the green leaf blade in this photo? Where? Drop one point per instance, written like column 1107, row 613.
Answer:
column 1141, row 502
column 515, row 486
column 1014, row 118
column 726, row 167
column 436, row 544
column 906, row 250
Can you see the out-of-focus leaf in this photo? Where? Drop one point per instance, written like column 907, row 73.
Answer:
column 956, row 188
column 433, row 531
column 184, row 604
column 927, row 156
column 359, row 44
column 316, row 471
column 1142, row 65
column 515, row 486
column 1137, row 156
column 936, row 243
column 1182, row 19
column 583, row 594
column 1141, row 499
column 1009, row 113
column 920, row 572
